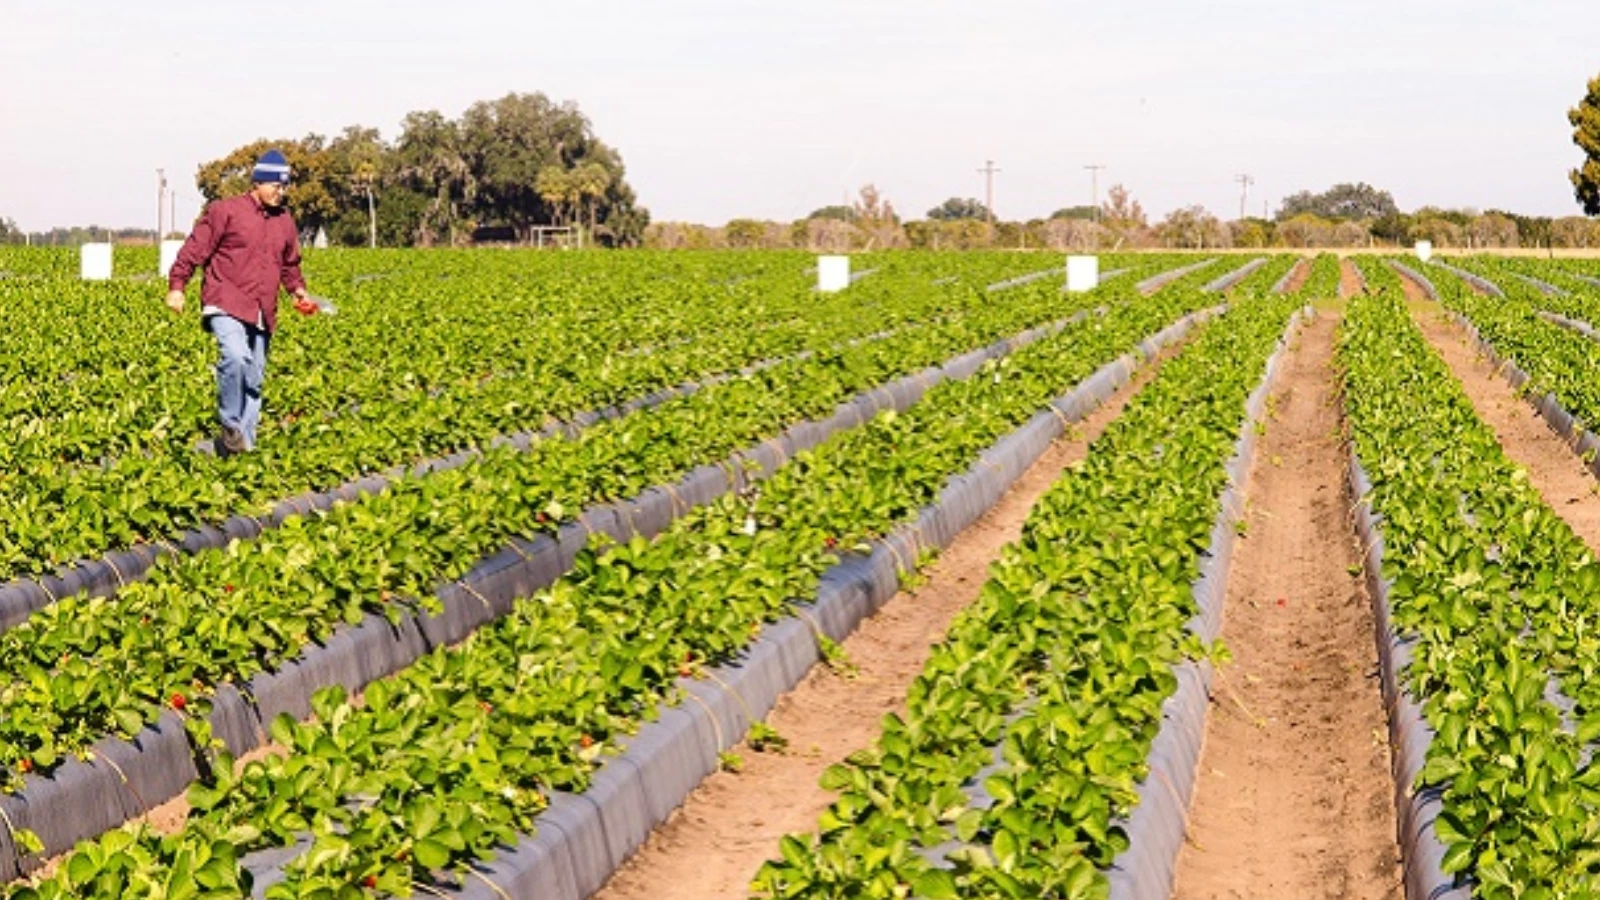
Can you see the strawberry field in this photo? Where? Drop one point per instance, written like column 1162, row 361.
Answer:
column 533, row 544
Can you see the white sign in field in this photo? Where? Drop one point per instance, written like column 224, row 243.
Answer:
column 1083, row 273
column 169, row 255
column 94, row 262
column 1424, row 250
column 833, row 273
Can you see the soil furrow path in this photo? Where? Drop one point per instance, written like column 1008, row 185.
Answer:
column 1294, row 796
column 1553, row 469
column 713, row 845
column 1349, row 278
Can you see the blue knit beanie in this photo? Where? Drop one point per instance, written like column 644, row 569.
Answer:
column 271, row 167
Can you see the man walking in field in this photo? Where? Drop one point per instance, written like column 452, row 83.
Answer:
column 249, row 246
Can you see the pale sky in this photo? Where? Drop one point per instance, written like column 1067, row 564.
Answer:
column 766, row 109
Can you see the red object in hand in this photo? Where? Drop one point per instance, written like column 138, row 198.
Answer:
column 306, row 306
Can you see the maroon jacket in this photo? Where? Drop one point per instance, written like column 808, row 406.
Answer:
column 248, row 251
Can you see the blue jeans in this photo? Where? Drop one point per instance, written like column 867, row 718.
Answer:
column 241, row 371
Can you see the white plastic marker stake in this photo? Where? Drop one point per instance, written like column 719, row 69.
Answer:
column 169, row 255
column 94, row 262
column 1424, row 250
column 833, row 273
column 1083, row 273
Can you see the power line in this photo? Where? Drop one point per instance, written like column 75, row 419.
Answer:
column 161, row 202
column 988, row 172
column 1094, row 188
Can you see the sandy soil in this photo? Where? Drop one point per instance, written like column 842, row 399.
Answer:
column 1349, row 279
column 1295, row 796
column 1553, row 469
column 1298, row 276
column 714, row 844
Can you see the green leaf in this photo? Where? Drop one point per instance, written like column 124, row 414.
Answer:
column 937, row 884
column 431, row 854
column 81, row 869
column 967, row 825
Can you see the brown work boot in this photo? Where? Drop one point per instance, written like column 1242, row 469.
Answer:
column 231, row 442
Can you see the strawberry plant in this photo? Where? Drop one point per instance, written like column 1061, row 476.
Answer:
column 1497, row 601
column 1026, row 735
column 445, row 352
column 1556, row 359
column 1323, row 282
column 438, row 765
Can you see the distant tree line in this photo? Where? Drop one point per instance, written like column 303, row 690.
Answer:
column 503, row 169
column 511, row 166
column 74, row 236
column 1345, row 215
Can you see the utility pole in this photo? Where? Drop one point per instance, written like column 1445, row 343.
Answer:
column 1244, row 191
column 1094, row 188
column 989, row 171
column 161, row 202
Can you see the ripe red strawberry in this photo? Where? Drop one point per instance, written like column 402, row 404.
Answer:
column 371, row 881
column 227, row 589
column 830, row 542
column 178, row 701
column 585, row 741
column 26, row 765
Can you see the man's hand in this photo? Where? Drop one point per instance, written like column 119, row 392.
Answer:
column 175, row 301
column 304, row 303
